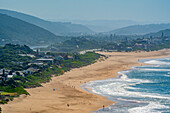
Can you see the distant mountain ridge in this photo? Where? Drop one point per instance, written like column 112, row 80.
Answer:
column 58, row 28
column 105, row 25
column 141, row 29
column 13, row 30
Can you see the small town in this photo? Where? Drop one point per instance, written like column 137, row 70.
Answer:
column 37, row 62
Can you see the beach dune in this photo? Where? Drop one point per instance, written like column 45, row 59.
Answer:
column 68, row 96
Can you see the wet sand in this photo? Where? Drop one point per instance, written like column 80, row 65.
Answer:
column 68, row 90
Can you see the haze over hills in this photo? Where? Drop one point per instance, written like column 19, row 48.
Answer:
column 58, row 28
column 13, row 30
column 104, row 25
column 141, row 29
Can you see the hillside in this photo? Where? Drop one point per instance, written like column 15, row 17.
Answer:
column 75, row 45
column 58, row 28
column 141, row 29
column 9, row 57
column 16, row 31
column 165, row 32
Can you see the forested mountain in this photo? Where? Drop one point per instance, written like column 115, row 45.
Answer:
column 58, row 28
column 13, row 30
column 141, row 29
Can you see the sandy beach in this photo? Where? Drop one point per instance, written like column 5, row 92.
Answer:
column 68, row 90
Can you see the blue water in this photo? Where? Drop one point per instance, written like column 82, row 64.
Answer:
column 144, row 89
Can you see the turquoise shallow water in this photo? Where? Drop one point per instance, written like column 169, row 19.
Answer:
column 144, row 89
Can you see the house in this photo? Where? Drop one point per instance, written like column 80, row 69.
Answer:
column 46, row 60
column 4, row 74
column 129, row 49
column 18, row 63
column 9, row 76
column 20, row 73
column 1, row 71
column 48, row 56
column 70, row 57
column 30, row 70
column 58, row 58
column 36, row 63
column 7, row 71
column 138, row 45
column 30, row 55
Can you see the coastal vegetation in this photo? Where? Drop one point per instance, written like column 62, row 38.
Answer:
column 10, row 56
column 13, row 87
column 73, row 45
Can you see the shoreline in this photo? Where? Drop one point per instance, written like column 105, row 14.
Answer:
column 89, row 89
column 68, row 86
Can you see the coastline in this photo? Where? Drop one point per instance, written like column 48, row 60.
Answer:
column 68, row 86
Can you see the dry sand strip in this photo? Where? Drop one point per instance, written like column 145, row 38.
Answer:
column 68, row 90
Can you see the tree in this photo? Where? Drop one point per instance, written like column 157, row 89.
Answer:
column 18, row 74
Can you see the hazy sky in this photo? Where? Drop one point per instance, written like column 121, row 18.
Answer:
column 139, row 10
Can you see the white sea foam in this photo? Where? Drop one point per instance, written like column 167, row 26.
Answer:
column 157, row 62
column 117, row 87
column 167, row 75
column 133, row 88
column 124, row 78
column 150, row 108
column 156, row 69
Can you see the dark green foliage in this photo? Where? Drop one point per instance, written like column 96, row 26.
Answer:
column 10, row 59
column 75, row 45
column 17, row 49
column 11, row 86
column 13, row 30
column 3, row 102
column 10, row 89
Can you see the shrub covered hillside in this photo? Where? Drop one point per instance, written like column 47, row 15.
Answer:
column 10, row 58
column 75, row 45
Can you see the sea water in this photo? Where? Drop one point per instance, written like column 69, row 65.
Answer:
column 144, row 89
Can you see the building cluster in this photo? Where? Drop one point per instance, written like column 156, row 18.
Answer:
column 33, row 66
column 142, row 44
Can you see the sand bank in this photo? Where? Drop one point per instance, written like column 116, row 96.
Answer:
column 68, row 90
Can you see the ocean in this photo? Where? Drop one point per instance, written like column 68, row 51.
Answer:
column 144, row 89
